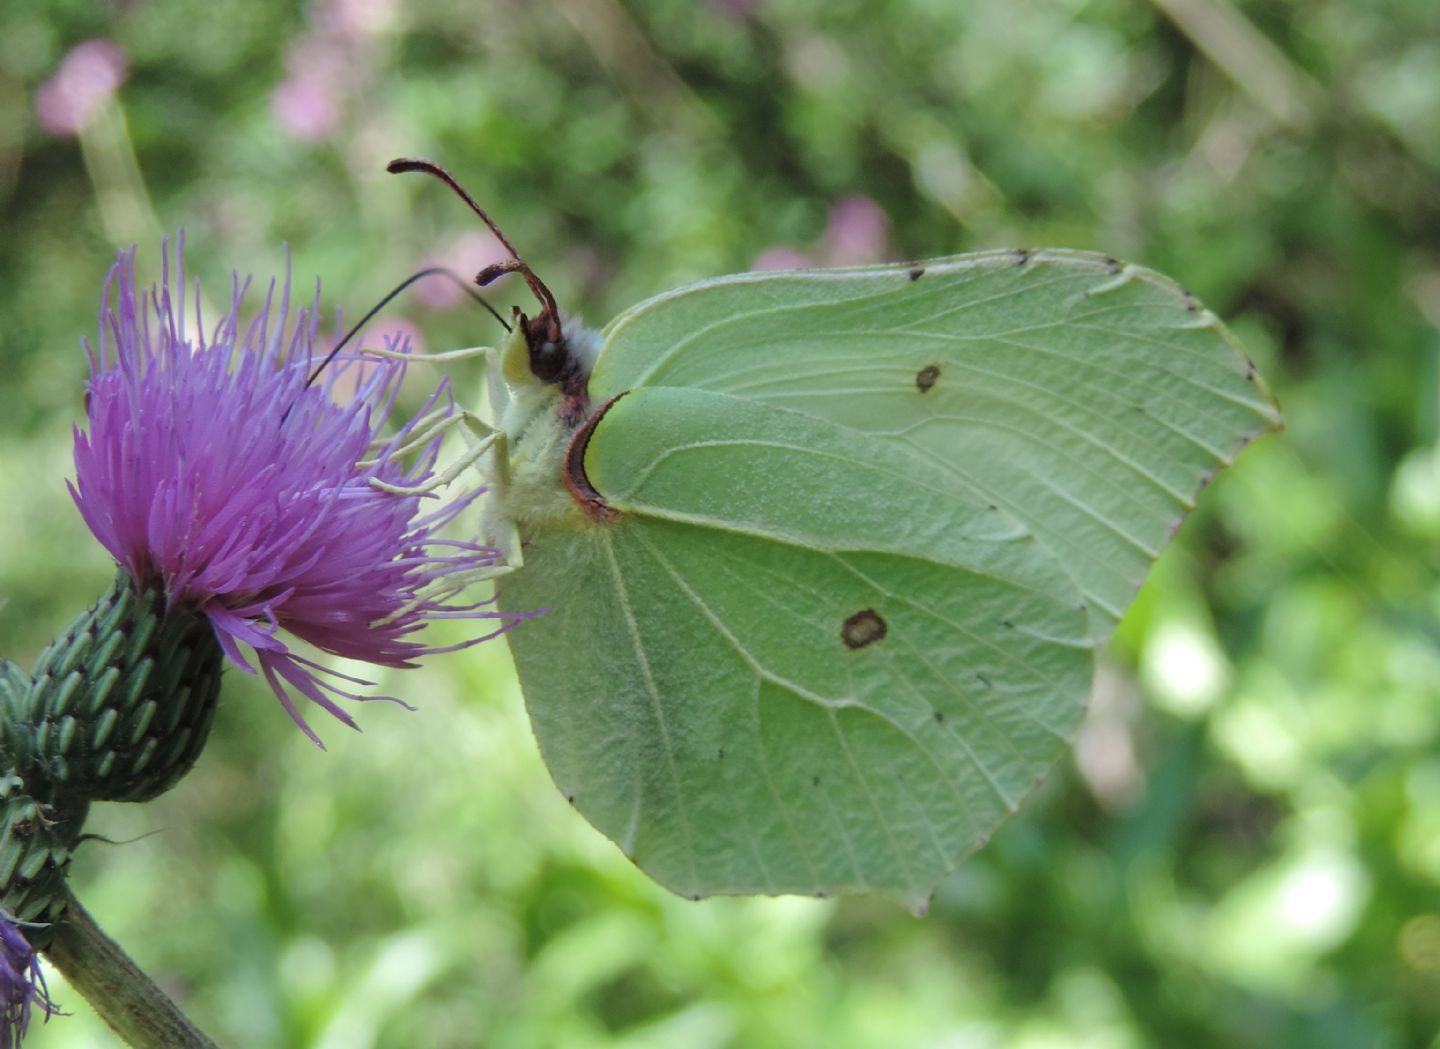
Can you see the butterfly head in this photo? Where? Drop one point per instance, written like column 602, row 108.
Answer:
column 557, row 360
column 548, row 349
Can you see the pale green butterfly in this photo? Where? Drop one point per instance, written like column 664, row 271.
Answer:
column 829, row 554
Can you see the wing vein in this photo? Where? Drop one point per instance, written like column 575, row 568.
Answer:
column 655, row 704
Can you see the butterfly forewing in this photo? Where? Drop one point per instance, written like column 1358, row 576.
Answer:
column 1090, row 400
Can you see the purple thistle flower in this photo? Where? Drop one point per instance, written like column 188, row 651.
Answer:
column 215, row 470
column 22, row 984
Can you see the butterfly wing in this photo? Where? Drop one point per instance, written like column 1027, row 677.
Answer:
column 1090, row 399
column 797, row 662
column 871, row 525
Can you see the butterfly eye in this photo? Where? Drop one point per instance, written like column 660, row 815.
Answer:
column 548, row 359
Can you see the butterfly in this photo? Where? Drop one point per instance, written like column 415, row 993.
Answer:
column 829, row 554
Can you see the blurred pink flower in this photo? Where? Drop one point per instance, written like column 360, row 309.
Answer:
column 307, row 103
column 858, row 232
column 353, row 18
column 88, row 75
column 466, row 254
column 305, row 108
column 782, row 258
column 314, row 56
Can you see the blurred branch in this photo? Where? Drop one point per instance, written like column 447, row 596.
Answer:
column 14, row 116
column 125, row 208
column 126, row 999
column 1247, row 57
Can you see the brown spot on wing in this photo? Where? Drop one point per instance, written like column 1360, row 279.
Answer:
column 863, row 628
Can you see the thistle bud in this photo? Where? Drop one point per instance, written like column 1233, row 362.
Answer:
column 122, row 701
column 15, row 735
column 37, row 839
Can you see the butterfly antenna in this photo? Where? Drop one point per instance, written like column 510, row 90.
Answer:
column 538, row 331
column 390, row 297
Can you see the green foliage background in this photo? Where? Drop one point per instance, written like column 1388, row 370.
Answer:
column 1246, row 849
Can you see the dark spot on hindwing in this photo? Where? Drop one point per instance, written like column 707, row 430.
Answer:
column 1022, row 256
column 926, row 376
column 862, row 628
column 1112, row 265
column 917, row 273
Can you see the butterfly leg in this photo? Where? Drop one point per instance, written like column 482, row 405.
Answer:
column 497, row 526
column 479, row 435
column 499, row 531
column 480, row 438
column 488, row 352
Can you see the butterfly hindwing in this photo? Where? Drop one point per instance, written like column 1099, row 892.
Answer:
column 817, row 665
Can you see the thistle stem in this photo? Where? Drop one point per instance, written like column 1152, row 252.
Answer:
column 126, row 999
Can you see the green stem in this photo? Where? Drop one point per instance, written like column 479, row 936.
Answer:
column 128, row 1000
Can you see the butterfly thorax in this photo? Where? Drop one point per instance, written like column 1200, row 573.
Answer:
column 540, row 420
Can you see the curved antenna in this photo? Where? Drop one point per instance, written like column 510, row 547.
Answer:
column 413, row 278
column 544, row 328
